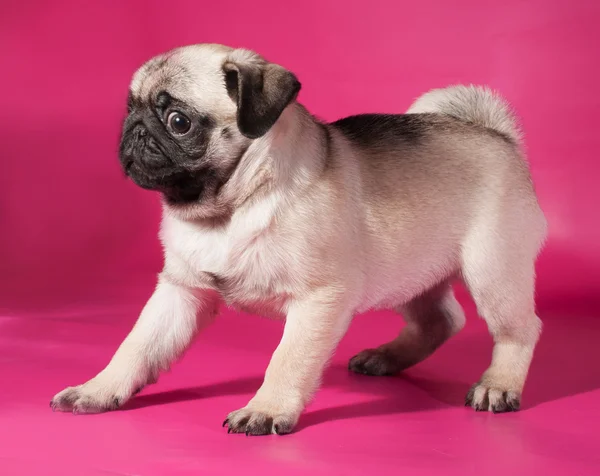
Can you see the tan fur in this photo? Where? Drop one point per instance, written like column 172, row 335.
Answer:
column 320, row 233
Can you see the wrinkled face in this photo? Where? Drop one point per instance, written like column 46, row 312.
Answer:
column 193, row 113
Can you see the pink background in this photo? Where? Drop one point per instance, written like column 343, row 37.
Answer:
column 78, row 247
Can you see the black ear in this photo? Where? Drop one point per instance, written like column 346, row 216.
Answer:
column 262, row 91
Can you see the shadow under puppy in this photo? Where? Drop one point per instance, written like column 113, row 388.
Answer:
column 272, row 211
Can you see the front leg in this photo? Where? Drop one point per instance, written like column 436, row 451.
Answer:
column 164, row 330
column 312, row 331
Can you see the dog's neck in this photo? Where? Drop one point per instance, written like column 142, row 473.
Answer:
column 282, row 163
column 284, row 159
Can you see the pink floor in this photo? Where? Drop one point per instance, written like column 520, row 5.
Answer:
column 411, row 424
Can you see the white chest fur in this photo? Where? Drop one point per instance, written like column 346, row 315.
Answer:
column 244, row 260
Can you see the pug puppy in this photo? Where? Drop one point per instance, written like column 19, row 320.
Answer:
column 270, row 210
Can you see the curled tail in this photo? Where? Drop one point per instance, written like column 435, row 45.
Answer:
column 474, row 104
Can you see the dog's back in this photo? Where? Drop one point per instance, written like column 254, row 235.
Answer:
column 433, row 177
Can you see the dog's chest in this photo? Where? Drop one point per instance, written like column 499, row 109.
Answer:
column 246, row 266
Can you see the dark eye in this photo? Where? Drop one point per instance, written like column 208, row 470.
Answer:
column 178, row 123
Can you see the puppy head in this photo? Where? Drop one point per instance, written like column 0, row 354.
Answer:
column 193, row 113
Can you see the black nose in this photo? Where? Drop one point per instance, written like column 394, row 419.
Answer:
column 139, row 146
column 140, row 131
column 132, row 141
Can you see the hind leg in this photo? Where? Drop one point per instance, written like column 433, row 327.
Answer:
column 501, row 281
column 430, row 320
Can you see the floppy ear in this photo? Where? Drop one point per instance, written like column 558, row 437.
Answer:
column 261, row 91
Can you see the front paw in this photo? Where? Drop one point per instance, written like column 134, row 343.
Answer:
column 496, row 399
column 91, row 397
column 254, row 420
